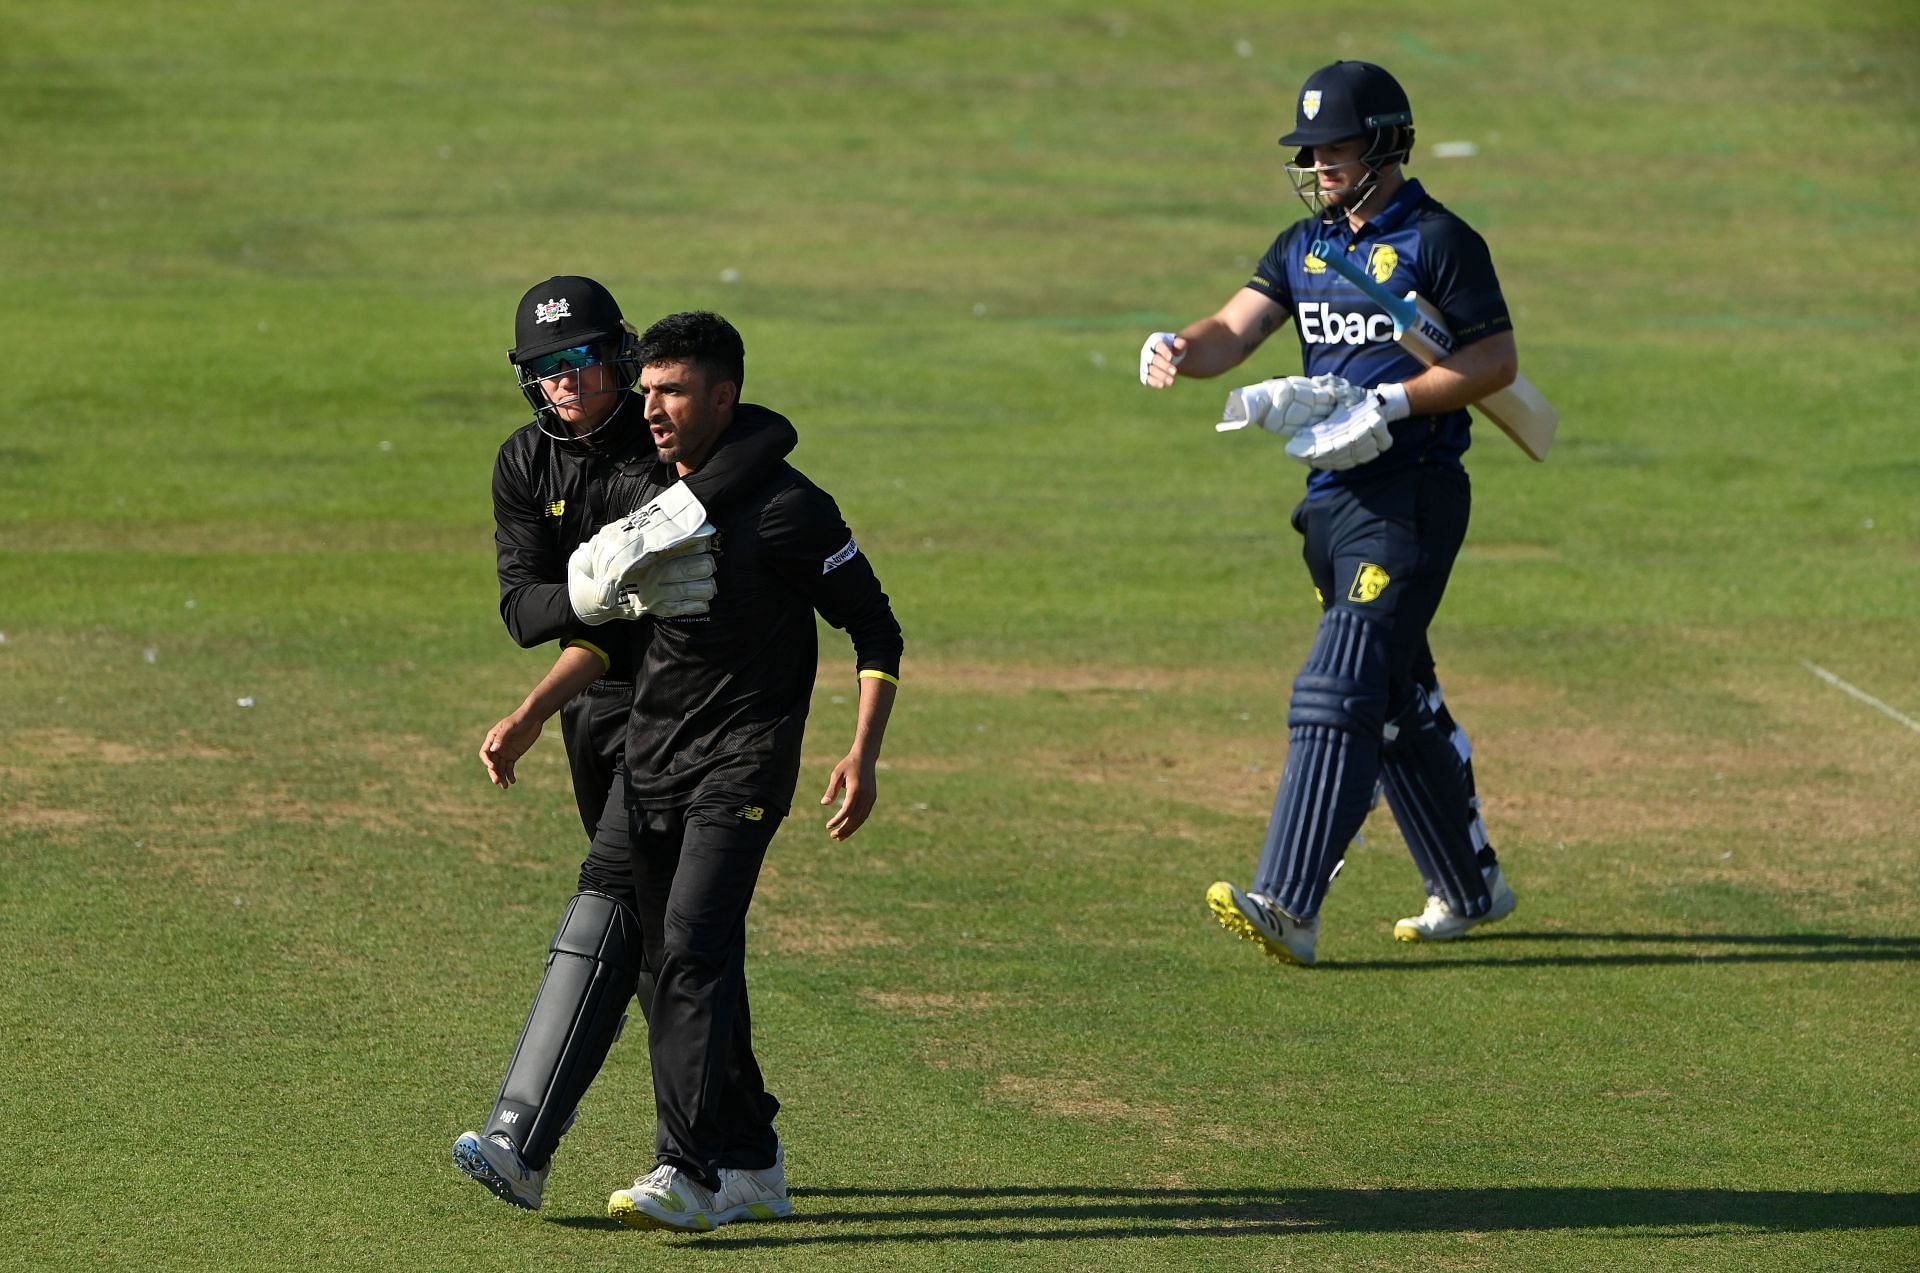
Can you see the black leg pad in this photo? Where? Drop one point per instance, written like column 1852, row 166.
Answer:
column 576, row 1016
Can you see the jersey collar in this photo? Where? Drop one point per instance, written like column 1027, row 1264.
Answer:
column 1398, row 209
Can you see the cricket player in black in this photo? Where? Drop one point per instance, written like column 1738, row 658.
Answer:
column 1385, row 513
column 712, row 759
column 582, row 462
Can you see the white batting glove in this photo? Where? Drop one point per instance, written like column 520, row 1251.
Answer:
column 1287, row 404
column 1155, row 343
column 1353, row 435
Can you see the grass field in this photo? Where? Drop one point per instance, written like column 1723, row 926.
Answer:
column 269, row 936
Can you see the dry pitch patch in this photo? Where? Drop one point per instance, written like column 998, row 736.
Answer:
column 1823, row 772
column 1812, row 803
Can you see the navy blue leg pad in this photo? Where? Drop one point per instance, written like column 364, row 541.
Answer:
column 1430, row 793
column 575, row 1018
column 1333, row 758
column 1443, row 718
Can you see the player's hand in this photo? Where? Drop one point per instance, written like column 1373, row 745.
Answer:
column 1160, row 359
column 506, row 743
column 853, row 781
column 1287, row 404
column 1348, row 437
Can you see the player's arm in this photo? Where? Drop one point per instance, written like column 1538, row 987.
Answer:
column 531, row 563
column 819, row 557
column 850, row 597
column 1215, row 344
column 1461, row 283
column 1472, row 373
column 853, row 781
column 578, row 666
column 745, row 455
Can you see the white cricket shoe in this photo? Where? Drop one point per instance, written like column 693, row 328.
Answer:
column 1439, row 923
column 754, row 1195
column 495, row 1163
column 666, row 1198
column 1256, row 918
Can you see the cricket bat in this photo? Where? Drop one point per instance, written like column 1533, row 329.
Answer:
column 1520, row 409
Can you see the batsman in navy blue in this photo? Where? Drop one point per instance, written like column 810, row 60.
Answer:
column 1384, row 516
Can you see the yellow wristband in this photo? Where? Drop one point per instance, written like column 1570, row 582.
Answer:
column 605, row 662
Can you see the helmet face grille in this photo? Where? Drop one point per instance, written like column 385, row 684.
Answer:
column 622, row 362
column 1386, row 148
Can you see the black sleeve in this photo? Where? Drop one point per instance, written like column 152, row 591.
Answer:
column 744, row 457
column 530, row 560
column 1460, row 280
column 817, row 555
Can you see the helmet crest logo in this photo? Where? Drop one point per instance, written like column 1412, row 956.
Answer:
column 551, row 311
column 1310, row 103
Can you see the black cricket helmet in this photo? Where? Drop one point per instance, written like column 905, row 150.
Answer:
column 1343, row 101
column 564, row 325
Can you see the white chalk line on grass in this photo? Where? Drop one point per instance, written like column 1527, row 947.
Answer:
column 1860, row 694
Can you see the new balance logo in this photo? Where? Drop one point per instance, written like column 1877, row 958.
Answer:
column 509, row 1116
column 750, row 813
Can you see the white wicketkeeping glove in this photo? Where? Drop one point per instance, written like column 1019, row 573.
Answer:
column 673, row 586
column 1287, row 404
column 675, row 583
column 620, row 548
column 599, row 567
column 1152, row 346
column 1354, row 435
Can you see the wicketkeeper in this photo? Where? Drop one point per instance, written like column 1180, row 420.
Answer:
column 1384, row 515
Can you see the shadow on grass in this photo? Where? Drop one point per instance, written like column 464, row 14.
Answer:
column 1080, row 1213
column 1707, row 948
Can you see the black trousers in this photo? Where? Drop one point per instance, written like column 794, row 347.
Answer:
column 689, row 873
column 593, row 725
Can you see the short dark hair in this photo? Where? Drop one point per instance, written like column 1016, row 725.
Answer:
column 700, row 337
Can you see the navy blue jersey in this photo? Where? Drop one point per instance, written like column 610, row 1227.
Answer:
column 1414, row 245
